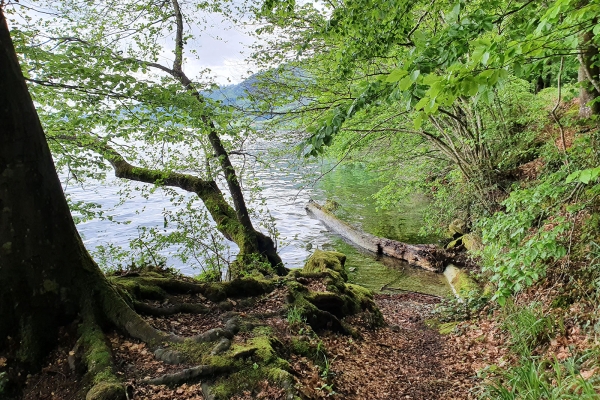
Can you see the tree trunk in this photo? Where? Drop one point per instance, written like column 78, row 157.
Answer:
column 426, row 256
column 227, row 219
column 589, row 77
column 48, row 278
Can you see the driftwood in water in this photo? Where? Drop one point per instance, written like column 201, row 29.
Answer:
column 426, row 256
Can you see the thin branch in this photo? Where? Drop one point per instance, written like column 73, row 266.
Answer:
column 556, row 119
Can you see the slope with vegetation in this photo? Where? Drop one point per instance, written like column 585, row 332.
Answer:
column 491, row 110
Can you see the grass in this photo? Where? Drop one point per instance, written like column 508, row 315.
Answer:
column 294, row 316
column 528, row 327
column 536, row 379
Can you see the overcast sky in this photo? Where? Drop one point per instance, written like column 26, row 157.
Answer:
column 222, row 48
column 219, row 44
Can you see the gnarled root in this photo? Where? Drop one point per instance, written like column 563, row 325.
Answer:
column 98, row 360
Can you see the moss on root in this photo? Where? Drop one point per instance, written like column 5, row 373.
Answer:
column 321, row 261
column 326, row 309
column 152, row 286
column 252, row 362
column 103, row 383
column 139, row 287
column 106, row 391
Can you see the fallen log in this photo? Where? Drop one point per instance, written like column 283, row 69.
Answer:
column 426, row 256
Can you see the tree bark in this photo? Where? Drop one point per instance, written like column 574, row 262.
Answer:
column 254, row 242
column 588, row 77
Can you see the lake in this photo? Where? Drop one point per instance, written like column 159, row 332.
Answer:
column 286, row 189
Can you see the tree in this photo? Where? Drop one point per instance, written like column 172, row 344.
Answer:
column 84, row 69
column 430, row 80
column 47, row 274
column 48, row 277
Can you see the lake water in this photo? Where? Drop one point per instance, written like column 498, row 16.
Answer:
column 286, row 190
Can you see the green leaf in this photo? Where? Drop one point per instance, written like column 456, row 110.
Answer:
column 572, row 176
column 418, row 121
column 421, row 103
column 415, row 75
column 396, row 75
column 485, row 58
column 405, row 83
column 585, row 176
column 431, row 79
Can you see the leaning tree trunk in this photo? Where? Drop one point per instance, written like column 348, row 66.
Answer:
column 426, row 256
column 589, row 77
column 48, row 278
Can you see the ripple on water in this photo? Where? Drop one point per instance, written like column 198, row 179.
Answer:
column 352, row 187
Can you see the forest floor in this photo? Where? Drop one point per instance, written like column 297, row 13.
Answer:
column 406, row 359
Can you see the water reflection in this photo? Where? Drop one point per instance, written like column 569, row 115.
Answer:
column 286, row 192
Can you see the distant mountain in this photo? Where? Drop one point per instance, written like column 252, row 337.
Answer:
column 235, row 94
column 238, row 95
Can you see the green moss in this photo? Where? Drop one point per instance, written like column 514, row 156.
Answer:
column 193, row 352
column 139, row 287
column 464, row 284
column 447, row 327
column 321, row 261
column 301, row 346
column 106, row 391
column 245, row 380
column 324, row 310
column 278, row 375
column 262, row 362
column 97, row 356
column 264, row 349
column 472, row 242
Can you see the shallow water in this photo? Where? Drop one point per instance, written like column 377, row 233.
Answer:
column 286, row 193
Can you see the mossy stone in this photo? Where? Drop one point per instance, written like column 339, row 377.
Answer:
column 457, row 228
column 472, row 242
column 321, row 261
column 107, row 391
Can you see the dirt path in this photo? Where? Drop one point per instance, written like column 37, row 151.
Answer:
column 405, row 360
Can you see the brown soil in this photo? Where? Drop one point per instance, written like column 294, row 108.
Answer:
column 405, row 360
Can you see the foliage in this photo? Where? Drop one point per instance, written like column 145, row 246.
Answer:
column 105, row 96
column 436, row 97
column 520, row 242
column 536, row 227
column 528, row 327
column 535, row 379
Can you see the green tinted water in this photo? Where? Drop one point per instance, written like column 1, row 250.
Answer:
column 352, row 187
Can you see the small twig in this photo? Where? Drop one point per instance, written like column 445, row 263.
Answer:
column 556, row 119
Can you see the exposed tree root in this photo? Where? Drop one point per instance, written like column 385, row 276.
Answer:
column 325, row 309
column 320, row 292
column 98, row 360
column 188, row 375
column 184, row 308
column 152, row 286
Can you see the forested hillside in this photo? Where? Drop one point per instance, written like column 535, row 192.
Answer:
column 491, row 110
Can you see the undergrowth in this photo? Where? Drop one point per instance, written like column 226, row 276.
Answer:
column 535, row 379
column 528, row 327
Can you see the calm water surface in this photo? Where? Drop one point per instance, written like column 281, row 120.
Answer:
column 286, row 192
